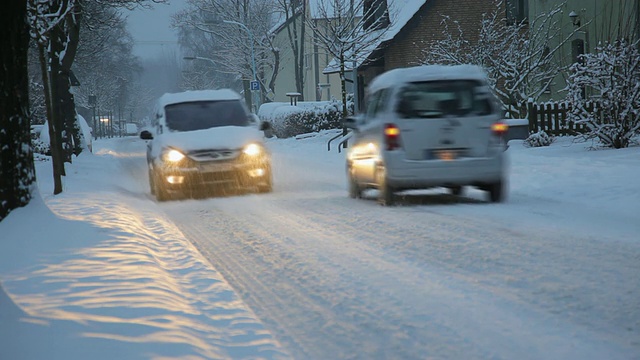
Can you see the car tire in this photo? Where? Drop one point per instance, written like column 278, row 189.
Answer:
column 497, row 192
column 267, row 185
column 158, row 190
column 152, row 186
column 455, row 190
column 386, row 196
column 354, row 189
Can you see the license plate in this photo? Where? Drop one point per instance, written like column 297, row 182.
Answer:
column 216, row 167
column 446, row 155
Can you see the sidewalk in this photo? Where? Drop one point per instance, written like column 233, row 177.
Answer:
column 100, row 273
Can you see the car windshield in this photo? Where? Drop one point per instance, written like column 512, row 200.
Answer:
column 190, row 116
column 436, row 99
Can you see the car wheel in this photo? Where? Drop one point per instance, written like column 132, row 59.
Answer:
column 158, row 190
column 497, row 192
column 267, row 185
column 455, row 190
column 152, row 185
column 354, row 189
column 386, row 196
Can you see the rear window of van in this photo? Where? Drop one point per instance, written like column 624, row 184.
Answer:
column 436, row 99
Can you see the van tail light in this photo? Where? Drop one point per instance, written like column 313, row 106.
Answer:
column 499, row 129
column 391, row 136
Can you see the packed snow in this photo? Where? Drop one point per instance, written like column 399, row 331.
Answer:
column 102, row 271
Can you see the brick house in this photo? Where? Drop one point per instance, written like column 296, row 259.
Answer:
column 413, row 24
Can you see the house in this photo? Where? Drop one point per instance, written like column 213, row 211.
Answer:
column 288, row 34
column 585, row 24
column 412, row 25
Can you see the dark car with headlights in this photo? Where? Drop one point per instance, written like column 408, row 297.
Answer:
column 203, row 142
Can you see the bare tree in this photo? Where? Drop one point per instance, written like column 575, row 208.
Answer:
column 17, row 174
column 518, row 57
column 612, row 74
column 349, row 31
column 295, row 20
column 238, row 30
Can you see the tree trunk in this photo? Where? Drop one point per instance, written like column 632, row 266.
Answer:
column 343, row 87
column 17, row 174
column 56, row 154
column 71, row 27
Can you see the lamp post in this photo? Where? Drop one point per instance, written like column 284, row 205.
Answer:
column 199, row 58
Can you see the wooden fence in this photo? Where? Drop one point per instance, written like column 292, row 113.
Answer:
column 552, row 118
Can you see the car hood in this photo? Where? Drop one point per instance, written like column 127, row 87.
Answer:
column 224, row 137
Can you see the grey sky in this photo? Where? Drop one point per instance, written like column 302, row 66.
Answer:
column 151, row 29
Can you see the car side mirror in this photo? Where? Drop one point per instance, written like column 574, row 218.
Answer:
column 350, row 122
column 146, row 135
column 265, row 127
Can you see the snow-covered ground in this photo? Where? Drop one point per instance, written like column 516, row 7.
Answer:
column 102, row 271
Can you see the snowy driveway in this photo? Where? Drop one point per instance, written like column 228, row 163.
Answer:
column 540, row 277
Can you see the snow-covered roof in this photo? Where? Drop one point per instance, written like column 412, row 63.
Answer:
column 400, row 12
column 427, row 73
column 197, row 95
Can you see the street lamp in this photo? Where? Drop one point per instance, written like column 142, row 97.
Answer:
column 199, row 58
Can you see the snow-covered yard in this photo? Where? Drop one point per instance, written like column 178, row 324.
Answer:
column 102, row 271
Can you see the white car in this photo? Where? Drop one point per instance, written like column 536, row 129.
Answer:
column 428, row 126
column 204, row 141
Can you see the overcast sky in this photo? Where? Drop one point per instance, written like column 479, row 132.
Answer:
column 152, row 31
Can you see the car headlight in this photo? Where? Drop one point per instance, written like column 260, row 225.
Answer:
column 172, row 156
column 252, row 150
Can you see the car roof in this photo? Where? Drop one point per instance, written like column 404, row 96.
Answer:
column 198, row 95
column 427, row 73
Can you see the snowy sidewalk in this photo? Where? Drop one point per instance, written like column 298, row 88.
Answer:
column 100, row 273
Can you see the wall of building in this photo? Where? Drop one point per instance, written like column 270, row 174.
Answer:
column 597, row 21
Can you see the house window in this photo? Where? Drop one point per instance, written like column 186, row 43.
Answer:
column 517, row 11
column 376, row 14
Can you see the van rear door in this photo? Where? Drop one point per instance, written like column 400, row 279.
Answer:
column 444, row 120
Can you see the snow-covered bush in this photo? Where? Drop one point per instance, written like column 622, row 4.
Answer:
column 612, row 76
column 539, row 139
column 288, row 121
column 40, row 147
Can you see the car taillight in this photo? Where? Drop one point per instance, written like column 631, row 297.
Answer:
column 499, row 129
column 391, row 136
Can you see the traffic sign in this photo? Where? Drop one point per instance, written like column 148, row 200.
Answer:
column 255, row 85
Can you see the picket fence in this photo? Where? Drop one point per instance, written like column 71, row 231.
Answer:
column 552, row 118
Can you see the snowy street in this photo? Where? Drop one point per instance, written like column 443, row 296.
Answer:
column 554, row 273
column 102, row 271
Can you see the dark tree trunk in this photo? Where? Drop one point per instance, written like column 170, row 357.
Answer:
column 17, row 174
column 71, row 30
column 54, row 146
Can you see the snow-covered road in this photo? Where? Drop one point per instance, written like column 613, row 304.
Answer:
column 538, row 277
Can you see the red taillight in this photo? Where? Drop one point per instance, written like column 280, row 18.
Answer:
column 391, row 136
column 499, row 128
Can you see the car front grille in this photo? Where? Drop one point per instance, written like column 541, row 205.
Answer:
column 214, row 155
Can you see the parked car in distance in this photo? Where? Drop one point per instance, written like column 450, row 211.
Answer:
column 428, row 126
column 203, row 141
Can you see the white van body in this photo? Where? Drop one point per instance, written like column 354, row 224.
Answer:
column 203, row 141
column 428, row 126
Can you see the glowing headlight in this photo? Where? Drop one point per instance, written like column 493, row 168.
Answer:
column 173, row 156
column 252, row 150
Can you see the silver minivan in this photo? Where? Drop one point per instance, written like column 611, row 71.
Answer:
column 428, row 126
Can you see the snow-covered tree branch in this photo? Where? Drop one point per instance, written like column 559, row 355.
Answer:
column 612, row 75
